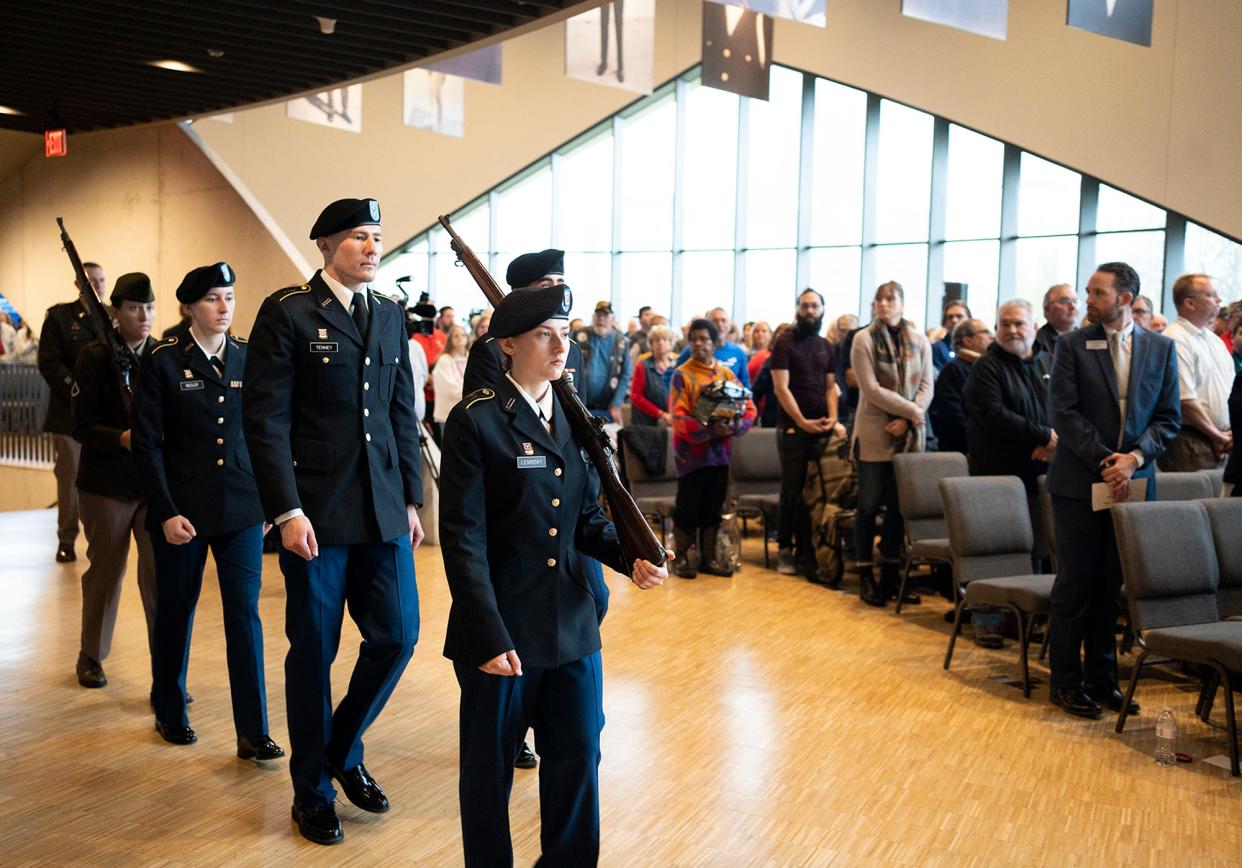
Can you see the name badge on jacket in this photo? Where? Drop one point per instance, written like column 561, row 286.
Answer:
column 190, row 385
column 1097, row 345
column 526, row 462
column 323, row 346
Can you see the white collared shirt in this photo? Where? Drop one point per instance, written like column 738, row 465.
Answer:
column 1204, row 369
column 541, row 406
column 217, row 354
column 343, row 293
column 1121, row 367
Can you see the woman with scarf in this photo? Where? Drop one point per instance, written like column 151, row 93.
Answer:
column 893, row 363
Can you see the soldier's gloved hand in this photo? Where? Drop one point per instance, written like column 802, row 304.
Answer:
column 297, row 535
column 178, row 530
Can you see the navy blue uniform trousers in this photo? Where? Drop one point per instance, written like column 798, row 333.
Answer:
column 179, row 580
column 565, row 706
column 376, row 581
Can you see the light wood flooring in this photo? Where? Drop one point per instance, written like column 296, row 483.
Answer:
column 754, row 721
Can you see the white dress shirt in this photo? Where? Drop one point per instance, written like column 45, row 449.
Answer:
column 1204, row 369
column 1120, row 348
column 343, row 293
column 542, row 406
column 209, row 353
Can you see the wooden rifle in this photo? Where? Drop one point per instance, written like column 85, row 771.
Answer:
column 635, row 535
column 123, row 359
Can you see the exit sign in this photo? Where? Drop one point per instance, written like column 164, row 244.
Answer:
column 55, row 143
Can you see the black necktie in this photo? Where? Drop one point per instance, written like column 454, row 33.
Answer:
column 217, row 366
column 360, row 314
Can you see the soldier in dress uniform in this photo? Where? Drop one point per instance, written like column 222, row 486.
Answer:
column 109, row 496
column 328, row 411
column 484, row 366
column 200, row 490
column 523, row 630
column 67, row 328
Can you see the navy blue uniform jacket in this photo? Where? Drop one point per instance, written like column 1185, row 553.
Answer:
column 329, row 415
column 1086, row 411
column 517, row 504
column 188, row 445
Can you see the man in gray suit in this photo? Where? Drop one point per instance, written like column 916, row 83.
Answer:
column 1115, row 410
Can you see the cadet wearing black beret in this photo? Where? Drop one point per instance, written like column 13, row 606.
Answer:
column 134, row 286
column 530, row 268
column 345, row 214
column 519, row 312
column 200, row 281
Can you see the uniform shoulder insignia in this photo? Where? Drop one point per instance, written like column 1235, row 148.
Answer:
column 478, row 395
column 292, row 291
column 240, row 339
column 165, row 344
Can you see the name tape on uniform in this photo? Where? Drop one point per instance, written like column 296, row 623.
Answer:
column 324, row 346
column 527, row 462
column 190, row 385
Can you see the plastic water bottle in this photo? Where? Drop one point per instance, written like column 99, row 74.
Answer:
column 1166, row 737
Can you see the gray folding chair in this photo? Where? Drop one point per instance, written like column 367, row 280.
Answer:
column 1225, row 518
column 918, row 475
column 1168, row 560
column 654, row 495
column 990, row 533
column 1216, row 478
column 756, row 472
column 1184, row 485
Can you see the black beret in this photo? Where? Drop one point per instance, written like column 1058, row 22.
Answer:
column 345, row 214
column 134, row 286
column 530, row 267
column 523, row 309
column 200, row 281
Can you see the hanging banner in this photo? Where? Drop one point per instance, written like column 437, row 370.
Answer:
column 340, row 107
column 1129, row 20
column 985, row 17
column 737, row 50
column 480, row 65
column 613, row 45
column 434, row 101
column 804, row 11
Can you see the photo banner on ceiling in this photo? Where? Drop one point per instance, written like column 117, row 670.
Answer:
column 1128, row 20
column 737, row 50
column 434, row 101
column 802, row 11
column 613, row 45
column 340, row 108
column 984, row 17
column 482, row 65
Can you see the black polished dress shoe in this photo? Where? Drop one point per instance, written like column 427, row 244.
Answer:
column 90, row 672
column 65, row 554
column 1074, row 701
column 258, row 748
column 360, row 788
column 526, row 758
column 318, row 823
column 1111, row 698
column 176, row 734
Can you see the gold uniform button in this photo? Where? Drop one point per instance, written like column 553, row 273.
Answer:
column 295, row 464
column 220, row 420
column 551, row 562
column 219, row 399
column 366, row 387
column 219, row 462
column 325, row 360
column 219, row 441
column 556, row 501
column 367, row 361
column 551, row 531
column 556, row 472
column 368, row 438
column 366, row 412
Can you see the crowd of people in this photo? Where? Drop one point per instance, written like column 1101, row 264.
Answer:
column 204, row 441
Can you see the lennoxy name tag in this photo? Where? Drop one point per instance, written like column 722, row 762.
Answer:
column 526, row 462
column 190, row 385
column 1097, row 345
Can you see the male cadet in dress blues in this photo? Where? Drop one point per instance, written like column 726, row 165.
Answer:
column 329, row 416
column 483, row 369
column 195, row 471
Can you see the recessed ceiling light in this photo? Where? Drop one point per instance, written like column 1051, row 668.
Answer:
column 6, row 110
column 174, row 65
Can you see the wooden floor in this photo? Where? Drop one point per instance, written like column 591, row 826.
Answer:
column 753, row 721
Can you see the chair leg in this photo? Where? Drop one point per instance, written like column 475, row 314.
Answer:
column 957, row 628
column 1043, row 646
column 1134, row 677
column 905, row 581
column 1024, row 634
column 1230, row 720
column 1207, row 696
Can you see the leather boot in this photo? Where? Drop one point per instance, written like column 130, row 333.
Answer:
column 709, row 557
column 890, row 583
column 686, row 563
column 868, row 591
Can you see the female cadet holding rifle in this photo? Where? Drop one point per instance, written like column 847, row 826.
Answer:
column 196, row 474
column 518, row 501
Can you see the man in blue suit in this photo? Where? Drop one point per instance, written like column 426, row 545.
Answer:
column 1114, row 406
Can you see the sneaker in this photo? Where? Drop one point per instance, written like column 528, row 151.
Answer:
column 785, row 563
